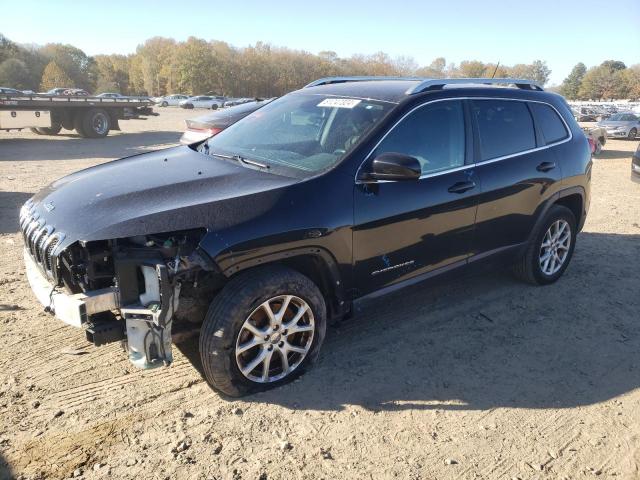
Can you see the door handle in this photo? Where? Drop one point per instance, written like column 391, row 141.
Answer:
column 546, row 166
column 461, row 187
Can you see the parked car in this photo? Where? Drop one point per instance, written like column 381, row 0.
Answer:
column 231, row 102
column 621, row 125
column 584, row 114
column 10, row 91
column 635, row 165
column 68, row 91
column 201, row 128
column 303, row 210
column 111, row 95
column 170, row 100
column 597, row 137
column 203, row 101
column 56, row 91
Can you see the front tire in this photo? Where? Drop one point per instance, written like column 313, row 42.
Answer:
column 598, row 149
column 214, row 106
column 632, row 134
column 164, row 104
column 264, row 328
column 548, row 254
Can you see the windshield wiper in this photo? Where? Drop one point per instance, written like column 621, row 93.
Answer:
column 241, row 159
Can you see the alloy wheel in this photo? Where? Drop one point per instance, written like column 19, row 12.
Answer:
column 555, row 246
column 275, row 339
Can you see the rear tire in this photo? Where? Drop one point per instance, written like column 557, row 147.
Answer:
column 96, row 123
column 214, row 106
column 224, row 333
column 164, row 104
column 531, row 267
column 632, row 134
column 77, row 124
column 53, row 130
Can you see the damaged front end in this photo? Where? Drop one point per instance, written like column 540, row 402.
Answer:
column 134, row 289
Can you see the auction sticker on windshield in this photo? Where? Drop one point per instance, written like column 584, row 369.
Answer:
column 339, row 102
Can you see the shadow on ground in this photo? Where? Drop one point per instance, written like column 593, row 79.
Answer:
column 10, row 203
column 5, row 470
column 613, row 155
column 485, row 341
column 73, row 147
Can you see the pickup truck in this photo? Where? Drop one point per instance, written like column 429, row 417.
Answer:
column 91, row 117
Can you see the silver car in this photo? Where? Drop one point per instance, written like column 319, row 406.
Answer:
column 203, row 101
column 170, row 100
column 621, row 125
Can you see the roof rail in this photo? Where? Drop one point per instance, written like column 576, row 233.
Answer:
column 439, row 83
column 330, row 80
column 433, row 83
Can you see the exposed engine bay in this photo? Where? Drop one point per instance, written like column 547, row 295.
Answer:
column 136, row 290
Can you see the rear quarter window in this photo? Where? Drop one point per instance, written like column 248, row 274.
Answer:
column 505, row 127
column 549, row 122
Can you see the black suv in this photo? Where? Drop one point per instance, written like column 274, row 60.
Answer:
column 336, row 193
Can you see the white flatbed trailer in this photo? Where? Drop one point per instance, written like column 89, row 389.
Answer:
column 91, row 117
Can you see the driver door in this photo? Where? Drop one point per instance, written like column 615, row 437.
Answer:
column 405, row 229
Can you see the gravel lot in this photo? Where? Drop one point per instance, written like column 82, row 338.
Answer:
column 480, row 377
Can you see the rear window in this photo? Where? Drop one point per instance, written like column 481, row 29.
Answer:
column 505, row 127
column 549, row 122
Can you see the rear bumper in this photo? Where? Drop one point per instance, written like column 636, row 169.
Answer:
column 74, row 309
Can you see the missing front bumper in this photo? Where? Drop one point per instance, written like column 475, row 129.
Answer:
column 147, row 323
column 73, row 310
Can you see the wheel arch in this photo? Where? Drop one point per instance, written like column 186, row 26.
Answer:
column 574, row 201
column 316, row 263
column 573, row 198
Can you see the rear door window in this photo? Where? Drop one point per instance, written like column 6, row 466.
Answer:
column 505, row 127
column 549, row 122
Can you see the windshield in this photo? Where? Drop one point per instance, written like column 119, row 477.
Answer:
column 306, row 132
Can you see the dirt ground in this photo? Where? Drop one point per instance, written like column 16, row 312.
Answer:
column 480, row 377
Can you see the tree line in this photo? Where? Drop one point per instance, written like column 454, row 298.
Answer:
column 607, row 81
column 196, row 66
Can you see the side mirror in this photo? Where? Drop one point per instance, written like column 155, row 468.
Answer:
column 393, row 166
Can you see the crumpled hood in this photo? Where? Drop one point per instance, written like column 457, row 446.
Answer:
column 163, row 191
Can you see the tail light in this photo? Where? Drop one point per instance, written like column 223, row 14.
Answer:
column 592, row 144
column 202, row 128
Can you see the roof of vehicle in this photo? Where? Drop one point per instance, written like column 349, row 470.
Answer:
column 385, row 90
column 395, row 89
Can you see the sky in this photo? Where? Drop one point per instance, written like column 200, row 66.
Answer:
column 562, row 32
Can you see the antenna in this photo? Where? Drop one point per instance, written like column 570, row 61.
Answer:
column 495, row 69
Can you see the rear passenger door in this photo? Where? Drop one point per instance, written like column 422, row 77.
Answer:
column 518, row 169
